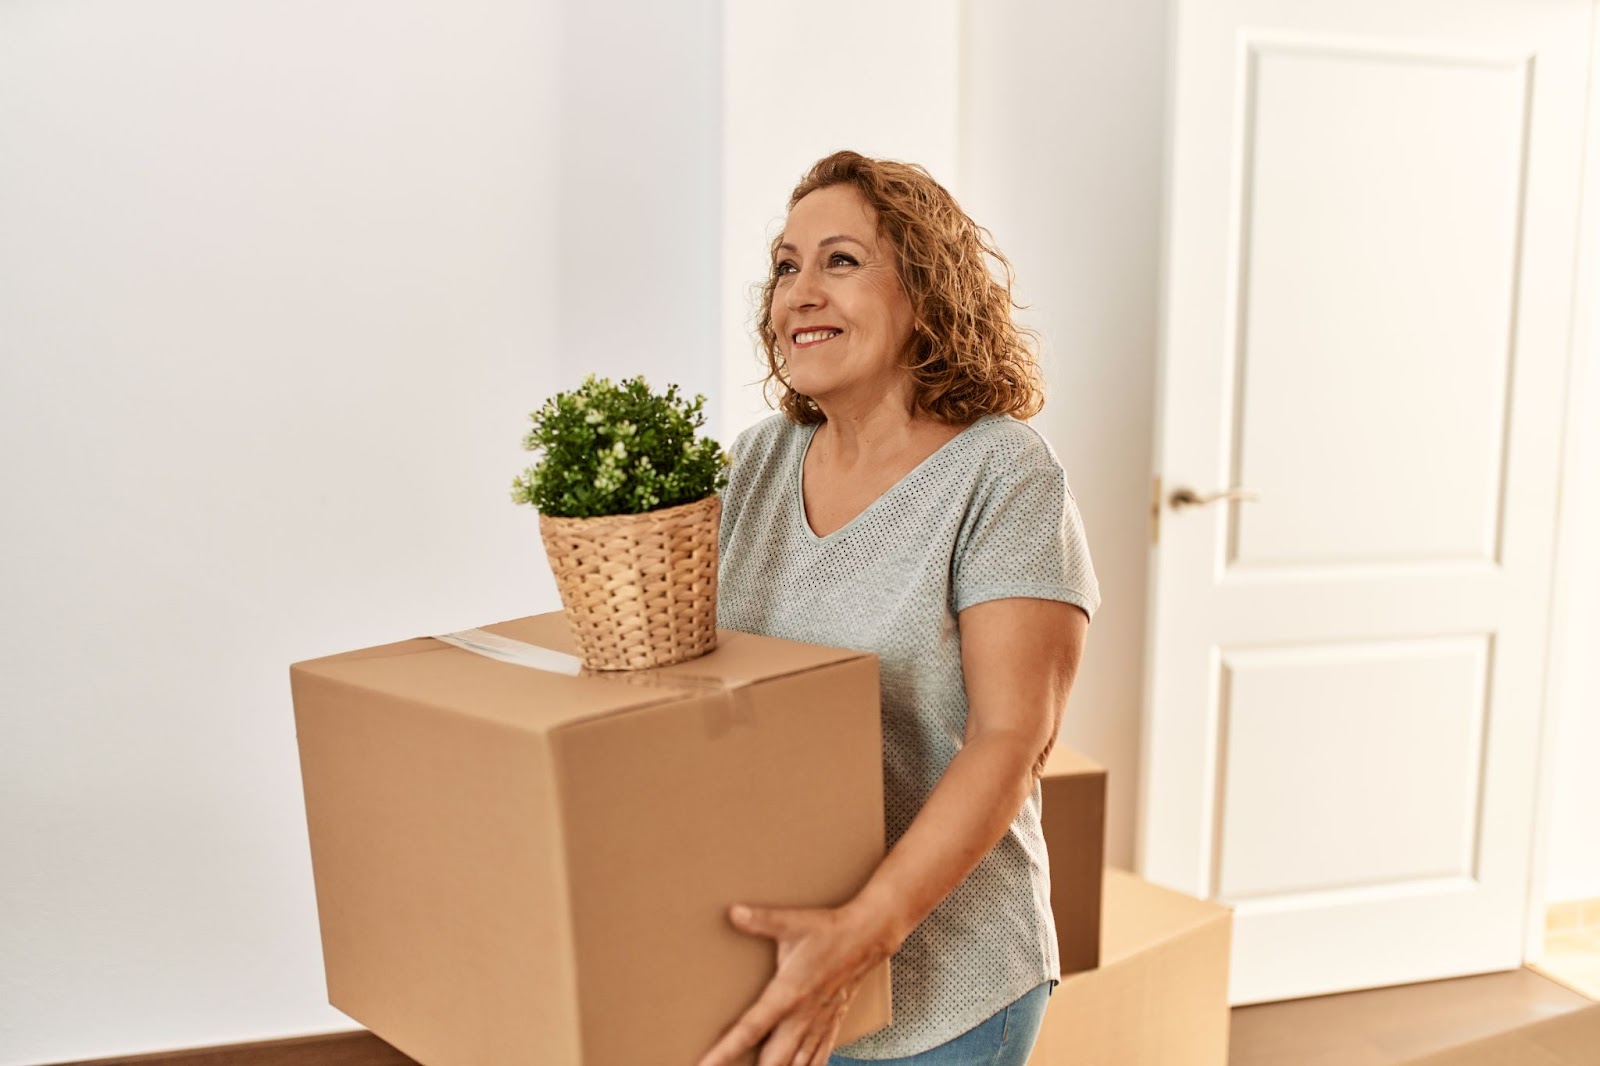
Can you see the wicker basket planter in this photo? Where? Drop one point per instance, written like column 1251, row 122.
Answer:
column 639, row 590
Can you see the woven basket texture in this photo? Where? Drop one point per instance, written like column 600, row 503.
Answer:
column 639, row 590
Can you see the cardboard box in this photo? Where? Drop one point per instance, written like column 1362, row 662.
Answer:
column 515, row 866
column 1570, row 1039
column 1074, row 822
column 1160, row 995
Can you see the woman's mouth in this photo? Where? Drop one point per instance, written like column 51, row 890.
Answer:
column 813, row 337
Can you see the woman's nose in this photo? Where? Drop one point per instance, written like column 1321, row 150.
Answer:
column 804, row 291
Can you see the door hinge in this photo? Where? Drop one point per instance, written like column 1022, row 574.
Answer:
column 1155, row 509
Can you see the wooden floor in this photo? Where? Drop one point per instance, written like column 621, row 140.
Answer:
column 1386, row 1026
column 1382, row 1027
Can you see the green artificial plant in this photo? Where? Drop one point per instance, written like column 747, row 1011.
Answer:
column 618, row 449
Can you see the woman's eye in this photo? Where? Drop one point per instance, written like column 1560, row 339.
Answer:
column 836, row 259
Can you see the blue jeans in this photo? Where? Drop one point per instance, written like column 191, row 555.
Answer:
column 1005, row 1039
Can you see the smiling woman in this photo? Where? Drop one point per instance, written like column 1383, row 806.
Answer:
column 874, row 230
column 898, row 504
column 844, row 314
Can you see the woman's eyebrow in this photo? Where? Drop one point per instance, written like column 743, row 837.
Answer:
column 822, row 243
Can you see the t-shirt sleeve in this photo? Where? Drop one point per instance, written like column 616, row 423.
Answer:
column 733, row 492
column 743, row 474
column 1024, row 537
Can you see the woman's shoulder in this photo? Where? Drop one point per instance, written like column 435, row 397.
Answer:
column 762, row 453
column 764, row 439
column 763, row 430
column 1006, row 443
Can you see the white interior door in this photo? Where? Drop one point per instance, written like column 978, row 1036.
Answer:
column 1370, row 249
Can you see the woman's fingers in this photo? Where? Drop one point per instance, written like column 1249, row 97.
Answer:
column 767, row 1011
column 835, row 1022
column 793, row 1042
column 783, row 1046
column 807, row 1053
column 795, row 1019
column 804, row 1037
column 818, row 1042
column 814, row 1046
column 776, row 1007
column 773, row 922
column 795, row 1033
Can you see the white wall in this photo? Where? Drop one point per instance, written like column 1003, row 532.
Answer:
column 641, row 170
column 279, row 284
column 1062, row 119
column 881, row 79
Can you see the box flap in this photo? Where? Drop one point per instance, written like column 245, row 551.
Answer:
column 1137, row 915
column 738, row 659
column 1160, row 995
column 1569, row 1039
column 431, row 672
column 1073, row 795
column 1064, row 762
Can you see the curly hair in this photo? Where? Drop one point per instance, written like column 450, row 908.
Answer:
column 966, row 356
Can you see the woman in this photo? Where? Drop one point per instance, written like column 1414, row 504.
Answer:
column 897, row 505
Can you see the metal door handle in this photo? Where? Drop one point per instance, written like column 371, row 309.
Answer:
column 1183, row 496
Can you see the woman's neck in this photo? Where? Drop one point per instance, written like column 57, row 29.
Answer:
column 877, row 434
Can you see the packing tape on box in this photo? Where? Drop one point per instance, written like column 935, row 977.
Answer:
column 520, row 653
column 515, row 652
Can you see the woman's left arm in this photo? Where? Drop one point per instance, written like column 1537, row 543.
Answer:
column 1019, row 658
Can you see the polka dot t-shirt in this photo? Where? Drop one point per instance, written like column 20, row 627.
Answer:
column 988, row 515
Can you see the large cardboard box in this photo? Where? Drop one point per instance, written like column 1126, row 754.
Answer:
column 1569, row 1039
column 1160, row 995
column 517, row 866
column 1074, row 823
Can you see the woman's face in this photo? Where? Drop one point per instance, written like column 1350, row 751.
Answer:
column 842, row 318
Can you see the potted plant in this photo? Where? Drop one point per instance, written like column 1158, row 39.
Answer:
column 626, row 492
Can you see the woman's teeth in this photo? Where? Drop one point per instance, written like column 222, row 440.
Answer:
column 816, row 335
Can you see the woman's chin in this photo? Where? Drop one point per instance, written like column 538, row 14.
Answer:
column 808, row 385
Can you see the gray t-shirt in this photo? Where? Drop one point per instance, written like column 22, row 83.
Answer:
column 989, row 515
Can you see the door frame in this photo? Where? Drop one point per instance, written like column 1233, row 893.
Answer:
column 1582, row 360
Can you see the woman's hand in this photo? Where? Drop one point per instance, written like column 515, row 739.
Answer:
column 824, row 953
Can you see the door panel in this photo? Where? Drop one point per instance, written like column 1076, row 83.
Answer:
column 1310, row 805
column 1387, row 184
column 1371, row 225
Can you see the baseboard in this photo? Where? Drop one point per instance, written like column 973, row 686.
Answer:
column 1577, row 915
column 359, row 1048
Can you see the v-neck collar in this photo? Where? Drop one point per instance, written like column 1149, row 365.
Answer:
column 800, row 482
